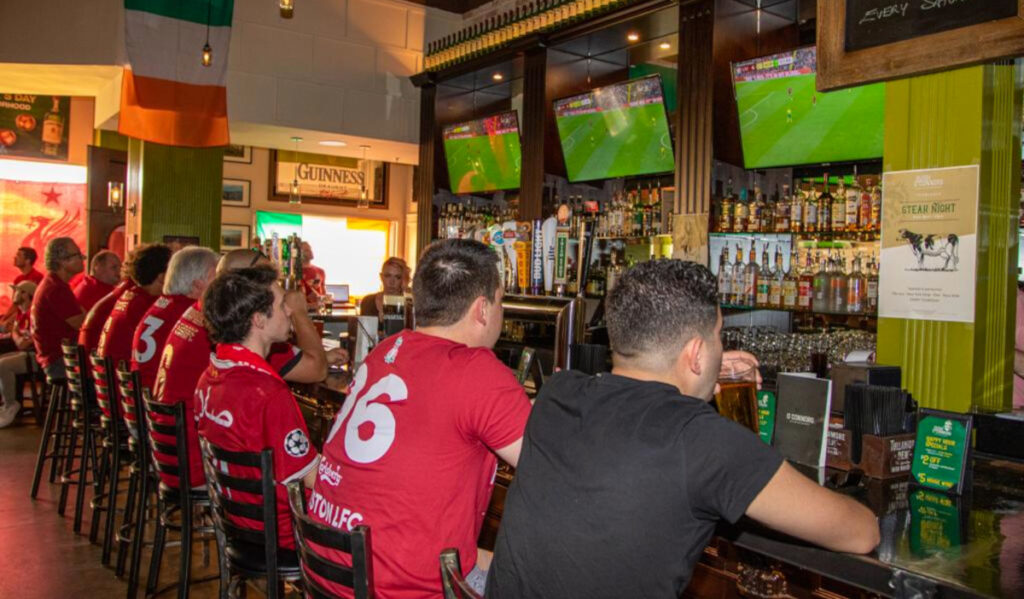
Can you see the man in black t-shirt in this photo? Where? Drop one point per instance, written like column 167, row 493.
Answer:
column 623, row 476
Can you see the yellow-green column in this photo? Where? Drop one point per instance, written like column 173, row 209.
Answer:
column 177, row 191
column 962, row 117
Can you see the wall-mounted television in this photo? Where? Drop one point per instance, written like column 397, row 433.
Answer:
column 616, row 131
column 786, row 121
column 483, row 154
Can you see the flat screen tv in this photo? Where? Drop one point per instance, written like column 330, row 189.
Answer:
column 483, row 154
column 785, row 121
column 615, row 131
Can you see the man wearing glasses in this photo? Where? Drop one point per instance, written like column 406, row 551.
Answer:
column 56, row 314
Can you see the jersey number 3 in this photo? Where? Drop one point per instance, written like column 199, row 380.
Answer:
column 358, row 411
column 152, row 323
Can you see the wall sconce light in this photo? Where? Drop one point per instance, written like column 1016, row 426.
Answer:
column 294, row 197
column 287, row 8
column 115, row 195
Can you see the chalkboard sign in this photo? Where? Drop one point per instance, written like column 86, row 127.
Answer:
column 942, row 450
column 872, row 23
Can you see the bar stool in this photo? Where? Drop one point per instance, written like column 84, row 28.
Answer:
column 358, row 576
column 455, row 586
column 84, row 423
column 54, row 432
column 116, row 453
column 169, row 460
column 246, row 553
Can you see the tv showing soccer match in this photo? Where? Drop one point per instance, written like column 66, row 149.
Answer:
column 483, row 154
column 786, row 121
column 615, row 131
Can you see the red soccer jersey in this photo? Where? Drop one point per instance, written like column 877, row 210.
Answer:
column 151, row 334
column 409, row 455
column 185, row 357
column 91, row 290
column 33, row 275
column 92, row 326
column 116, row 339
column 52, row 304
column 244, row 405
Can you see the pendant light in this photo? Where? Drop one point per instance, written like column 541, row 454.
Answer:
column 363, row 203
column 294, row 197
column 207, row 59
column 287, row 8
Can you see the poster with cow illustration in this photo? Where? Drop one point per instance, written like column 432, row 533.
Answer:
column 929, row 244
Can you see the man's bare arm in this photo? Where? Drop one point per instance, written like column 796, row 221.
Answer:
column 510, row 453
column 312, row 367
column 794, row 504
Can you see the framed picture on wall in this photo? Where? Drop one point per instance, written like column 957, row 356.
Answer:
column 233, row 237
column 328, row 180
column 235, row 192
column 236, row 153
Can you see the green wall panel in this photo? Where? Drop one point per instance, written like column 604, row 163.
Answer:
column 967, row 116
column 181, row 189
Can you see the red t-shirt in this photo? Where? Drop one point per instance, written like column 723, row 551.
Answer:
column 91, row 290
column 314, row 274
column 116, row 338
column 52, row 304
column 151, row 334
column 92, row 326
column 33, row 275
column 409, row 455
column 184, row 358
column 244, row 405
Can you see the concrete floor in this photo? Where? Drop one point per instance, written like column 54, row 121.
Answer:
column 40, row 555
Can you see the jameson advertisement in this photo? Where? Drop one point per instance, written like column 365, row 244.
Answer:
column 929, row 244
column 34, row 126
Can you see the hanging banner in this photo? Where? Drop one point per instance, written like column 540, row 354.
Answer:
column 34, row 126
column 33, row 213
column 929, row 244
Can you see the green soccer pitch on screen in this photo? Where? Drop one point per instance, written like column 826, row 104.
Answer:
column 483, row 154
column 615, row 131
column 785, row 121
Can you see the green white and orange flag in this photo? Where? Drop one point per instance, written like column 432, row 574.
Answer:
column 167, row 95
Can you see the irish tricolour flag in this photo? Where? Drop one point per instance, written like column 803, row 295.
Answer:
column 167, row 95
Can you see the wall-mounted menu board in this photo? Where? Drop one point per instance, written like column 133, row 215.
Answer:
column 872, row 23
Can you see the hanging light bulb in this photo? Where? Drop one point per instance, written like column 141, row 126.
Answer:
column 294, row 197
column 207, row 59
column 287, row 8
column 363, row 203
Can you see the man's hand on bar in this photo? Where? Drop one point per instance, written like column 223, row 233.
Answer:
column 336, row 356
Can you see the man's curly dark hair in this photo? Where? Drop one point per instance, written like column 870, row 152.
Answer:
column 233, row 297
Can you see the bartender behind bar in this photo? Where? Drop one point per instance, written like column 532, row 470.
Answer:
column 623, row 476
column 394, row 276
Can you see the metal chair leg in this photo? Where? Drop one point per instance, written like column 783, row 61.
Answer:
column 137, row 538
column 127, row 520
column 184, row 575
column 68, row 478
column 159, row 539
column 44, row 442
column 87, row 467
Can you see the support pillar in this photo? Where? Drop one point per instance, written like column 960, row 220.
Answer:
column 423, row 186
column 535, row 107
column 962, row 117
column 695, row 105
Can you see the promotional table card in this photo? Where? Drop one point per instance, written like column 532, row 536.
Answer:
column 937, row 523
column 942, row 450
column 802, row 414
column 765, row 415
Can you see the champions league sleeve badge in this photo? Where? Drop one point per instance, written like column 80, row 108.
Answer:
column 296, row 444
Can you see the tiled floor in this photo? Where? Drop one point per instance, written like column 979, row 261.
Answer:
column 41, row 557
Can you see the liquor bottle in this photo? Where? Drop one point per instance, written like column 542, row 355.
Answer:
column 754, row 216
column 821, row 287
column 764, row 281
column 724, row 277
column 853, row 223
column 876, row 207
column 725, row 225
column 810, row 211
column 838, row 285
column 805, row 286
column 765, row 213
column 856, row 288
column 656, row 208
column 796, row 210
column 778, row 275
column 750, row 279
column 839, row 207
column 739, row 276
column 865, row 207
column 783, row 210
column 871, row 291
column 791, row 282
column 741, row 218
column 53, row 129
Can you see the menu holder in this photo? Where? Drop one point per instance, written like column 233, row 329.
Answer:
column 942, row 451
column 882, row 457
column 802, row 415
column 766, row 405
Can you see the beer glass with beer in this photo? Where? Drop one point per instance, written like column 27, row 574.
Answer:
column 737, row 396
